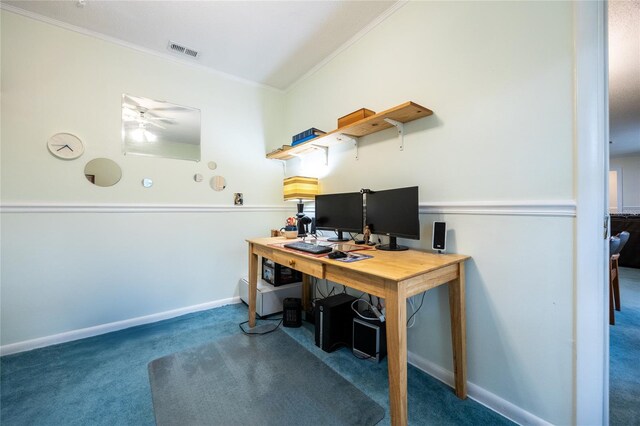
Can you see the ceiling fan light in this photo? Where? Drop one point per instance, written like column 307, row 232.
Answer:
column 150, row 136
column 138, row 135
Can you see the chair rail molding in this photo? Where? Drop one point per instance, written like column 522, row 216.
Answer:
column 560, row 208
column 134, row 208
column 553, row 208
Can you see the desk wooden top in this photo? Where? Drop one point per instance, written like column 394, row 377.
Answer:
column 392, row 265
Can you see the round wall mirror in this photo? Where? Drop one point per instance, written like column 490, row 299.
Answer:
column 218, row 183
column 102, row 172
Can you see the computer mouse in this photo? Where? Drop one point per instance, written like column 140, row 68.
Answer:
column 337, row 255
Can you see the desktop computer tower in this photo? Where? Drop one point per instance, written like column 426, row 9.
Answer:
column 369, row 339
column 334, row 322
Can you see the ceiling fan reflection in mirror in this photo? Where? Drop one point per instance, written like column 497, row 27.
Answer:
column 136, row 122
column 160, row 129
column 142, row 116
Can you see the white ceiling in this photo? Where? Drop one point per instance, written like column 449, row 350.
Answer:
column 276, row 43
column 269, row 42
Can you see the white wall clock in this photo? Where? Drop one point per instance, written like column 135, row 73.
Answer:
column 65, row 146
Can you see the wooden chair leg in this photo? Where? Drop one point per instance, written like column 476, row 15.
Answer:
column 616, row 284
column 612, row 318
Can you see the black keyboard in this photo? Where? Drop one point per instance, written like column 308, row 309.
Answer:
column 308, row 247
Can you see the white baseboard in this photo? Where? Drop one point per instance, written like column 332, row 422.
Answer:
column 108, row 328
column 477, row 393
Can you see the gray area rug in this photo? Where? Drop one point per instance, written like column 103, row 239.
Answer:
column 266, row 380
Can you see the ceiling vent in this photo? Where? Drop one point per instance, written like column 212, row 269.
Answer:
column 178, row 48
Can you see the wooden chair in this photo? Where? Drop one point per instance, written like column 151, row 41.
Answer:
column 616, row 244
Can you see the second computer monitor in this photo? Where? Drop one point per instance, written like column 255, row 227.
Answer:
column 394, row 212
column 339, row 213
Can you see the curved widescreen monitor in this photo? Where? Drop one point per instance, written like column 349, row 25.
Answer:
column 339, row 212
column 394, row 212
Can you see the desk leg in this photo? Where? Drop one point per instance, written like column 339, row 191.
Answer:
column 459, row 333
column 306, row 292
column 253, row 285
column 395, row 304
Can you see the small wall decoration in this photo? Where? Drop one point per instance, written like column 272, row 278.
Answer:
column 212, row 165
column 65, row 146
column 197, row 177
column 102, row 172
column 147, row 183
column 218, row 183
column 237, row 199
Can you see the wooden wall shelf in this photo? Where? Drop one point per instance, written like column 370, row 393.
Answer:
column 403, row 113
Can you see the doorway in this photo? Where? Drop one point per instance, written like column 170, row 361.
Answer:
column 624, row 205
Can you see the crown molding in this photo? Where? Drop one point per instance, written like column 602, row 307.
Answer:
column 387, row 13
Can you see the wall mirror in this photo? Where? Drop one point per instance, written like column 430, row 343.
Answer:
column 218, row 183
column 102, row 172
column 160, row 129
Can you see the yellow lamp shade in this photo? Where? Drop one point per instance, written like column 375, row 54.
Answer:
column 300, row 188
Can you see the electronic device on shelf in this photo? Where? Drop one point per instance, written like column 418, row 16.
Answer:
column 276, row 274
column 308, row 247
column 339, row 213
column 394, row 213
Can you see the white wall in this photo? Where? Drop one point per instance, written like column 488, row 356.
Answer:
column 76, row 255
column 628, row 170
column 495, row 161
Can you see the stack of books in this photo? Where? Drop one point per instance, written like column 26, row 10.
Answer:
column 306, row 135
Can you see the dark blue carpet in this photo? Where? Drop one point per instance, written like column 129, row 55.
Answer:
column 103, row 380
column 624, row 353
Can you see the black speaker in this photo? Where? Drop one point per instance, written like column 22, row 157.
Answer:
column 439, row 237
column 292, row 312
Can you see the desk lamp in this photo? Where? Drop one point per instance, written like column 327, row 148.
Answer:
column 300, row 188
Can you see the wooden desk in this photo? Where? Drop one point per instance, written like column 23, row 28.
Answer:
column 393, row 276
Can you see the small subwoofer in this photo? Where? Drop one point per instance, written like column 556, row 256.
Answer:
column 292, row 312
column 369, row 339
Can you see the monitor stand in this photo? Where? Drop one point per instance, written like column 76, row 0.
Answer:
column 392, row 246
column 338, row 239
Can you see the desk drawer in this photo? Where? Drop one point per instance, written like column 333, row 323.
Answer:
column 306, row 266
